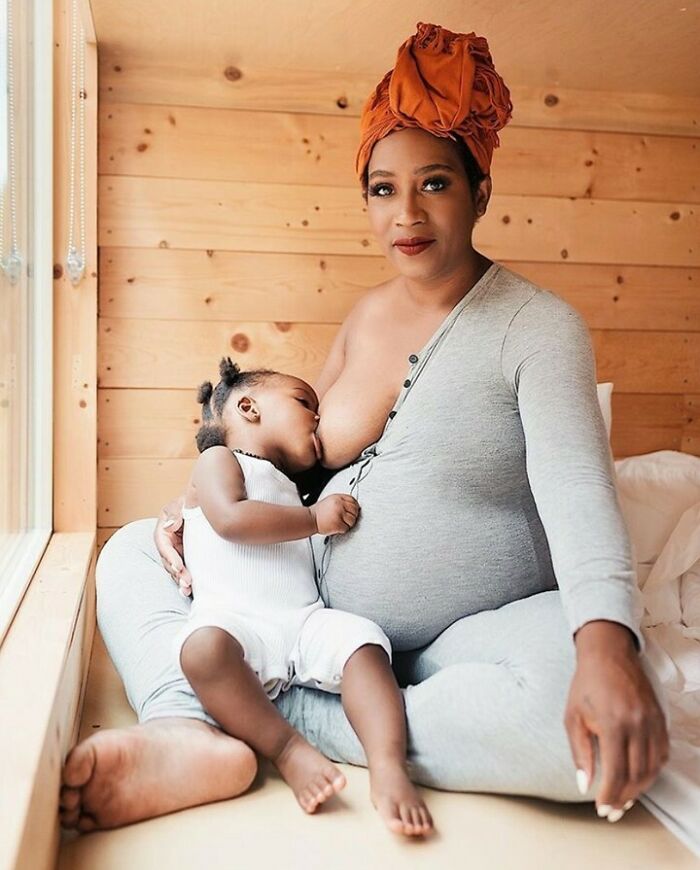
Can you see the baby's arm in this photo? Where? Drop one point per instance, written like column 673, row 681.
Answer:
column 220, row 487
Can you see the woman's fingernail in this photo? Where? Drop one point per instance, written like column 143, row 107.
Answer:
column 582, row 781
column 168, row 523
column 628, row 805
column 615, row 815
column 603, row 810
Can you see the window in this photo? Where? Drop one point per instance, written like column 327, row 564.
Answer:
column 26, row 294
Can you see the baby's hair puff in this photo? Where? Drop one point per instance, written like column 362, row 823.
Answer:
column 212, row 432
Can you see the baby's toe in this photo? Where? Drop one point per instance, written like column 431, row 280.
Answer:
column 318, row 790
column 405, row 813
column 418, row 826
column 394, row 821
column 306, row 800
column 338, row 781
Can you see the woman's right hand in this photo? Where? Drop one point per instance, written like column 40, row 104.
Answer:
column 168, row 539
column 335, row 514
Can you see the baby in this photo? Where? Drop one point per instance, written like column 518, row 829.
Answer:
column 257, row 625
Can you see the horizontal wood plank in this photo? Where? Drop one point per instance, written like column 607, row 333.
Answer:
column 165, row 284
column 237, row 145
column 136, row 80
column 646, row 423
column 161, row 424
column 171, row 354
column 249, row 216
column 648, row 362
column 180, row 354
column 132, row 489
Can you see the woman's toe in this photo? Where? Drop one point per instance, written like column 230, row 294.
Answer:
column 79, row 765
column 86, row 823
column 69, row 818
column 69, row 798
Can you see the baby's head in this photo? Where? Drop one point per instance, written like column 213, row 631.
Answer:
column 264, row 412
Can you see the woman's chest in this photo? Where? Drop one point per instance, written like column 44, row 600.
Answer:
column 378, row 365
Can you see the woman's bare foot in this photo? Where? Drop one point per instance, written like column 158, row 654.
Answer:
column 310, row 775
column 124, row 775
column 396, row 799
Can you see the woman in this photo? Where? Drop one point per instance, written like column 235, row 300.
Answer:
column 458, row 406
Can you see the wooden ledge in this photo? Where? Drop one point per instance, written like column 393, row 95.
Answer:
column 43, row 664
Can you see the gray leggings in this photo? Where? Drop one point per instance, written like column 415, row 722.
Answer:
column 484, row 701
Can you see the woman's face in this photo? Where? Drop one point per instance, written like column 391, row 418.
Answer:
column 405, row 199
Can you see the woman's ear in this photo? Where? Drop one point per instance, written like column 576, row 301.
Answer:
column 482, row 197
column 247, row 407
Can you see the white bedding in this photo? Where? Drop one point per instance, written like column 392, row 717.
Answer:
column 660, row 498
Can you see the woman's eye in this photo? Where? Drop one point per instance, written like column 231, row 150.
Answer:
column 375, row 189
column 440, row 181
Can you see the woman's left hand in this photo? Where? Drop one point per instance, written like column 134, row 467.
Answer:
column 612, row 700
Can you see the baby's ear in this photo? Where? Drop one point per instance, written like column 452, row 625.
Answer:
column 247, row 407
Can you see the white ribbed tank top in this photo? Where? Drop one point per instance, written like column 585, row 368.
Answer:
column 250, row 579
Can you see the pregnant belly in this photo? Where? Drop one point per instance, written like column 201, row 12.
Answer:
column 418, row 560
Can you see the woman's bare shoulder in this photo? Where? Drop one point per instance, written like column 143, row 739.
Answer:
column 375, row 302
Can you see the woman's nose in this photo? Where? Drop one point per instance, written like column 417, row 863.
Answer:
column 409, row 213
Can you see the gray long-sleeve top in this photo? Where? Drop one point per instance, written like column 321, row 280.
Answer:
column 492, row 480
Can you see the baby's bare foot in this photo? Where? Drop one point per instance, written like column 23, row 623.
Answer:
column 398, row 802
column 310, row 775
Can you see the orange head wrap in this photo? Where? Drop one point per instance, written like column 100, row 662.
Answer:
column 446, row 84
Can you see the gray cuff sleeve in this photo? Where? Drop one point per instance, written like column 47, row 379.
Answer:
column 597, row 600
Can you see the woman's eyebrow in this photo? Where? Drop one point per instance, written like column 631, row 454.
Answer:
column 429, row 168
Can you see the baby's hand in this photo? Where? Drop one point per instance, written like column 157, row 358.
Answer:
column 335, row 514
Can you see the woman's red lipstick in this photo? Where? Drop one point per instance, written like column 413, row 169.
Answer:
column 413, row 246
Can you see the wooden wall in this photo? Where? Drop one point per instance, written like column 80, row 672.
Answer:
column 230, row 221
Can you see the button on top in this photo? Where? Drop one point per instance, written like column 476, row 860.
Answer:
column 326, row 540
column 392, row 414
column 413, row 359
column 407, row 383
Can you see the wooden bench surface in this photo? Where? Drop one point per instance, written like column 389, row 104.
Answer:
column 265, row 828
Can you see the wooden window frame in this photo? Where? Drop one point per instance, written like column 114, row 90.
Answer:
column 46, row 651
column 25, row 548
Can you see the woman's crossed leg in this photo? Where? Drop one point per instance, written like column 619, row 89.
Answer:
column 484, row 704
